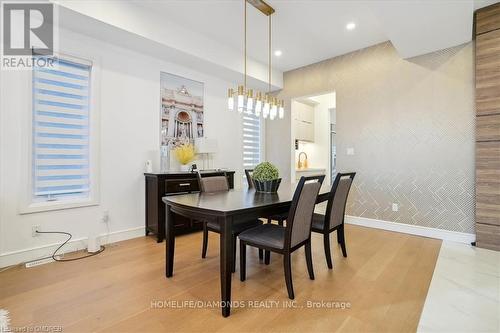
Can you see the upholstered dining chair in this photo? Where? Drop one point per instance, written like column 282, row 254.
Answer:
column 294, row 235
column 277, row 217
column 214, row 184
column 333, row 220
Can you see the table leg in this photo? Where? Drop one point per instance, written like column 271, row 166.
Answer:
column 226, row 263
column 170, row 241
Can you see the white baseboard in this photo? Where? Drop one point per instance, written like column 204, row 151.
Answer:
column 454, row 236
column 21, row 256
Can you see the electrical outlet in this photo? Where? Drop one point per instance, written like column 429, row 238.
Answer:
column 105, row 216
column 350, row 151
column 395, row 207
column 34, row 230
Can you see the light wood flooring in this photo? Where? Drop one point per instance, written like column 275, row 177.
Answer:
column 385, row 280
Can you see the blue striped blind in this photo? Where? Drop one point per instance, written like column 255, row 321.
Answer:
column 61, row 131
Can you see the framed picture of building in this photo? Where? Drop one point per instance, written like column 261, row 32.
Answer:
column 181, row 110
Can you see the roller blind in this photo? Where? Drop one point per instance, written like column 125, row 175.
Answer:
column 251, row 141
column 61, row 130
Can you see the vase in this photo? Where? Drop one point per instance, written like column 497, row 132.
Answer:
column 164, row 158
column 267, row 186
column 185, row 167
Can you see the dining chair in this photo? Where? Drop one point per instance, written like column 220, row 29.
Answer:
column 276, row 217
column 214, row 184
column 333, row 220
column 294, row 235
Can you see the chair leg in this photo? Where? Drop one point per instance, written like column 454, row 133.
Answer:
column 309, row 262
column 269, row 220
column 243, row 260
column 261, row 254
column 341, row 235
column 328, row 255
column 205, row 241
column 280, row 222
column 234, row 254
column 267, row 257
column 287, row 265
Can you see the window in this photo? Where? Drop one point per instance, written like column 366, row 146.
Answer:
column 251, row 141
column 60, row 141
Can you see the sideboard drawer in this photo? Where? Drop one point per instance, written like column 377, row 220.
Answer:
column 181, row 185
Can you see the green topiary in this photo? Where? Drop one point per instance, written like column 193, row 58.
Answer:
column 265, row 171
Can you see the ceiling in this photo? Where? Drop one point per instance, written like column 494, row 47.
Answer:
column 308, row 31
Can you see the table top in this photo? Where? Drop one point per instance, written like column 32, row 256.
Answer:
column 237, row 200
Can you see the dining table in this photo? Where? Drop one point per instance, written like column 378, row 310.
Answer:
column 226, row 208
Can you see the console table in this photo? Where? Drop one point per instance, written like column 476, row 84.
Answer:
column 159, row 185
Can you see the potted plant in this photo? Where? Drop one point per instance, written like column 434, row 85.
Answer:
column 184, row 154
column 266, row 178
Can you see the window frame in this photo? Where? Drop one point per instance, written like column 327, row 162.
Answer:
column 28, row 204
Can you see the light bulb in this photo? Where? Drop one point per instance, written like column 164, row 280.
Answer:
column 274, row 111
column 230, row 100
column 258, row 107
column 241, row 103
column 250, row 101
column 249, row 105
column 281, row 112
column 265, row 110
column 241, row 98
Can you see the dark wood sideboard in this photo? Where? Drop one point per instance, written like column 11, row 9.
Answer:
column 163, row 184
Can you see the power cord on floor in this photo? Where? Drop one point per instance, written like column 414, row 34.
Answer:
column 67, row 240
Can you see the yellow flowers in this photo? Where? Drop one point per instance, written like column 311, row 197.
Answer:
column 184, row 153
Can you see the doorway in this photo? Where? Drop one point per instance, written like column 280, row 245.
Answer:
column 313, row 136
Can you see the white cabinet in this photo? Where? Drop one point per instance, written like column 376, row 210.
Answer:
column 304, row 122
column 306, row 115
column 304, row 131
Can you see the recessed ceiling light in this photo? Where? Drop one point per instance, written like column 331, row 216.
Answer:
column 350, row 26
column 278, row 53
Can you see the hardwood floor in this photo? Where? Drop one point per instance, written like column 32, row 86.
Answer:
column 385, row 280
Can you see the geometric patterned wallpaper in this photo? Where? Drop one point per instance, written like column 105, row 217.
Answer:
column 411, row 123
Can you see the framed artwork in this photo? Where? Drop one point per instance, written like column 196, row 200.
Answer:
column 181, row 110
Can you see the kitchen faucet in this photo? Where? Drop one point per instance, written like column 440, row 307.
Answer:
column 302, row 165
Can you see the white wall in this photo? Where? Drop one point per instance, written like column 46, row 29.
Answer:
column 130, row 122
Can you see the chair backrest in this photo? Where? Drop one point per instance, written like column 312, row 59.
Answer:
column 249, row 175
column 335, row 209
column 213, row 184
column 299, row 220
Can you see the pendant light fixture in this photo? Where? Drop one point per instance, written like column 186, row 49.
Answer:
column 265, row 104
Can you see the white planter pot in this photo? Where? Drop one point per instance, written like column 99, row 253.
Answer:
column 185, row 167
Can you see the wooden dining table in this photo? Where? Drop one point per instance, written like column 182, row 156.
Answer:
column 226, row 208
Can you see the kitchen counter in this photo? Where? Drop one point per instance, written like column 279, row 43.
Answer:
column 307, row 172
column 311, row 170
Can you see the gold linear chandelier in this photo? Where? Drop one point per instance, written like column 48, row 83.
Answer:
column 243, row 99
